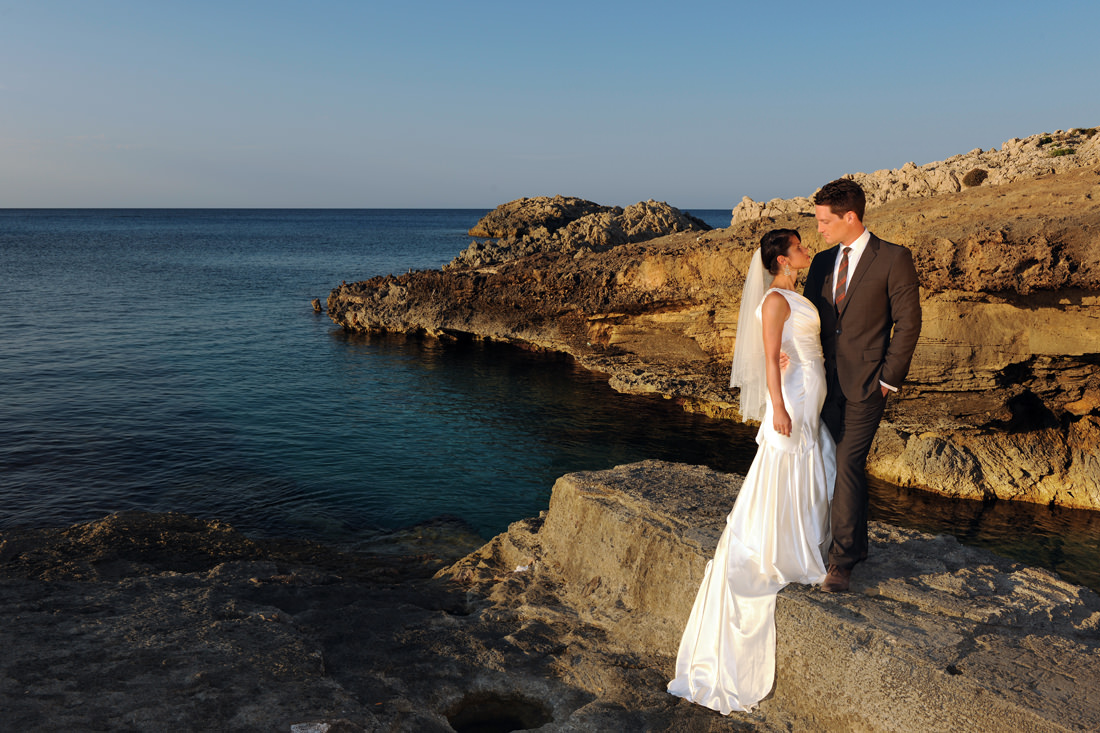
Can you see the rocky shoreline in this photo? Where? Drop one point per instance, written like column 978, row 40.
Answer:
column 566, row 622
column 569, row 621
column 1001, row 402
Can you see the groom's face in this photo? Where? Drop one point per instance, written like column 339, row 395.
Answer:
column 837, row 228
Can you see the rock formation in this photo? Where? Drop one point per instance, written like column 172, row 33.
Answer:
column 1001, row 401
column 934, row 636
column 566, row 622
column 568, row 225
column 1017, row 160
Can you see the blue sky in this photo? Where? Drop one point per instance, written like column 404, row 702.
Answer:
column 472, row 104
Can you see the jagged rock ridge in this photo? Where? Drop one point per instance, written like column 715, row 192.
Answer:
column 1017, row 159
column 569, row 225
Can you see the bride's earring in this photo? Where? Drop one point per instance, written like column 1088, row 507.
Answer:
column 786, row 270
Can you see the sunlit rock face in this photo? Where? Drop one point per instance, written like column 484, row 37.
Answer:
column 568, row 225
column 1016, row 160
column 1002, row 398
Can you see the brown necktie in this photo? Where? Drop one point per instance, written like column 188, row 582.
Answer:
column 842, row 278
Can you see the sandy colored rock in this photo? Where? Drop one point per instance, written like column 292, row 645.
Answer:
column 568, row 225
column 1016, row 160
column 998, row 400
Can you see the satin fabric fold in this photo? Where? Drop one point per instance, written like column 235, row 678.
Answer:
column 777, row 533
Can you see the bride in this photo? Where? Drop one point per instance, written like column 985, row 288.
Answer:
column 778, row 530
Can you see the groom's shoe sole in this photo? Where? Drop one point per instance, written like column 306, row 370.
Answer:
column 837, row 580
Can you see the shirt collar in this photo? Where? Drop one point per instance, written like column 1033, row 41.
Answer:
column 860, row 244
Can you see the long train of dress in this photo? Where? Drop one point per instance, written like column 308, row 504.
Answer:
column 777, row 533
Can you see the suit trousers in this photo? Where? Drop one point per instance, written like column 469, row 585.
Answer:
column 853, row 426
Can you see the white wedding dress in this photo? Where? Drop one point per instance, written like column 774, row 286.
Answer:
column 777, row 533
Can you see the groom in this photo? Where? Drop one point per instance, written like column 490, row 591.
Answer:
column 867, row 295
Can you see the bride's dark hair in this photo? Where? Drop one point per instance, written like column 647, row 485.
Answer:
column 774, row 243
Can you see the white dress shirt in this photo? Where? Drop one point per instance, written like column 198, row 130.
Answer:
column 853, row 258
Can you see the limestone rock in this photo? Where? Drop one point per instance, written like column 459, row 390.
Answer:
column 1001, row 398
column 171, row 623
column 564, row 224
column 566, row 622
column 1016, row 160
column 933, row 637
column 524, row 216
column 749, row 210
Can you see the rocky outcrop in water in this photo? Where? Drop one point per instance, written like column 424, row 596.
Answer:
column 568, row 225
column 1001, row 400
column 566, row 622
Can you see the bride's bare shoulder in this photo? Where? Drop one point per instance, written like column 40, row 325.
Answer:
column 775, row 305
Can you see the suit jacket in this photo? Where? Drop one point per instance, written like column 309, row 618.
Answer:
column 873, row 336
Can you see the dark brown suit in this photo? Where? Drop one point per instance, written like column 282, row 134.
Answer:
column 872, row 338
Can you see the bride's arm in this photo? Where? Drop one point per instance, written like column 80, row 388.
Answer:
column 773, row 315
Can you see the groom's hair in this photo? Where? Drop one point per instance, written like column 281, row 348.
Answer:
column 841, row 196
column 774, row 243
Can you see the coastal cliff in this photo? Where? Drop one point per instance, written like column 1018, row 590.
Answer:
column 1001, row 401
column 566, row 622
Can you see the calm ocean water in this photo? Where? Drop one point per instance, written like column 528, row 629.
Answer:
column 169, row 360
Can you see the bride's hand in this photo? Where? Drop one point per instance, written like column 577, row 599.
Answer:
column 784, row 360
column 781, row 421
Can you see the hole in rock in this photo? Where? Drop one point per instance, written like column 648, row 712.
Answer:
column 488, row 712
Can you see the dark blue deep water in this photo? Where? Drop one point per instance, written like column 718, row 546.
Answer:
column 171, row 361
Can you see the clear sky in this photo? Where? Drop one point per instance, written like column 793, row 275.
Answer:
column 155, row 103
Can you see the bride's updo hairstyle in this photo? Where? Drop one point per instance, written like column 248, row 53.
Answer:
column 774, row 243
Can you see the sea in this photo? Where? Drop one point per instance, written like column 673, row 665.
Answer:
column 171, row 361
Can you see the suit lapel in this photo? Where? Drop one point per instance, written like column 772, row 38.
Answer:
column 865, row 260
column 827, row 286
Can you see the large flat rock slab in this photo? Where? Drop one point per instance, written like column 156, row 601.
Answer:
column 566, row 622
column 934, row 636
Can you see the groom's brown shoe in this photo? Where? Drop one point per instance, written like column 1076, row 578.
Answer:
column 837, row 579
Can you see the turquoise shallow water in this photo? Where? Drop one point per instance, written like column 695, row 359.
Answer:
column 170, row 361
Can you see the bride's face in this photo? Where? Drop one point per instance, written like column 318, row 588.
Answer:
column 798, row 257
